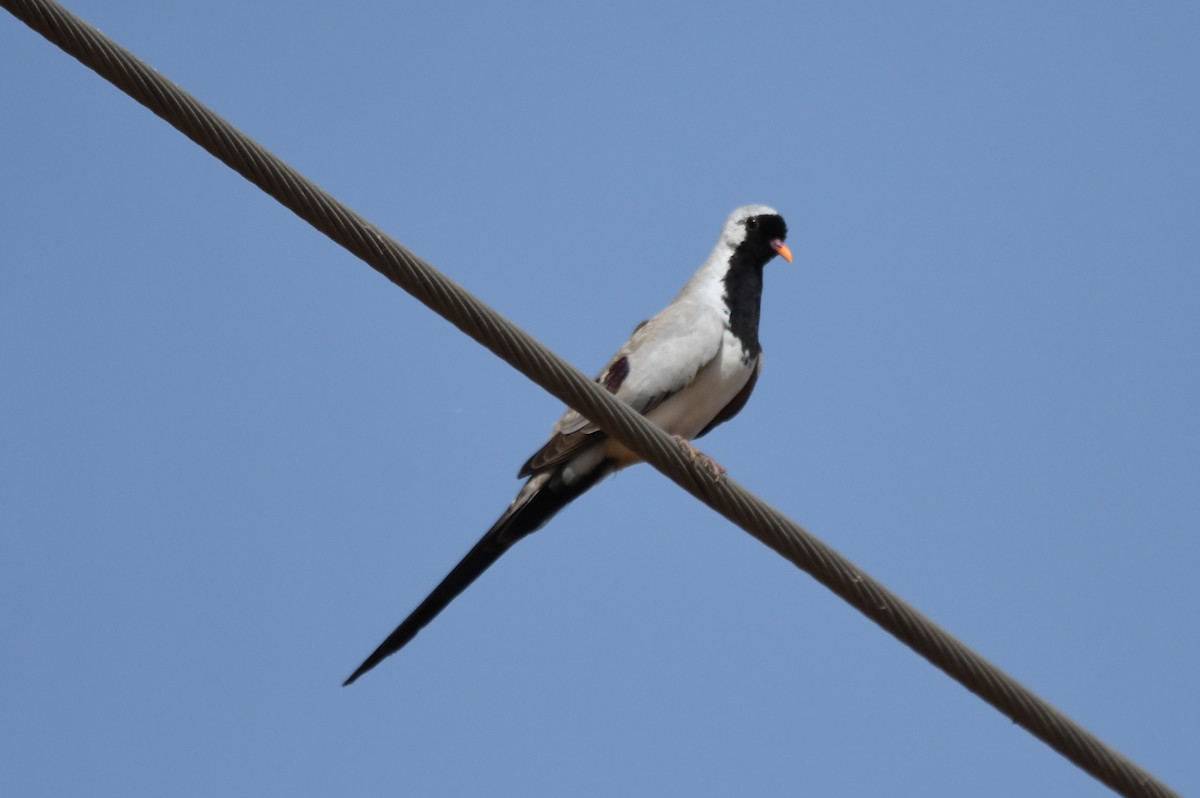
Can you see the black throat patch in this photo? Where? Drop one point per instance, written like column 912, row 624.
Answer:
column 744, row 282
column 743, row 296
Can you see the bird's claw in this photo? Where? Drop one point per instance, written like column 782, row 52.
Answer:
column 696, row 456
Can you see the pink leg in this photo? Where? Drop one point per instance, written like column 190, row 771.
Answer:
column 696, row 455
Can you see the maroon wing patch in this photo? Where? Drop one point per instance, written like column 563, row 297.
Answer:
column 564, row 445
column 615, row 374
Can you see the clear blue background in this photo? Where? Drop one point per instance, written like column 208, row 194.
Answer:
column 232, row 457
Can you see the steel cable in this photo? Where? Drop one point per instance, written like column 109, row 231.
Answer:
column 507, row 341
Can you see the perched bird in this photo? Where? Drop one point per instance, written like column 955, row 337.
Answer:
column 687, row 369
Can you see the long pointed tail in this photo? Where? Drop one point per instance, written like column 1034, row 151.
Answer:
column 542, row 497
column 478, row 560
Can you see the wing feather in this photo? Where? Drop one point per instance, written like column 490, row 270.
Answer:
column 660, row 359
column 738, row 402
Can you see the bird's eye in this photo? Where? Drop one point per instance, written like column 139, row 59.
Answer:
column 752, row 223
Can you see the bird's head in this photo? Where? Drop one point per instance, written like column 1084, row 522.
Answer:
column 759, row 230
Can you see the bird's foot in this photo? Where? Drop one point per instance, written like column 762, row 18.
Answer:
column 697, row 456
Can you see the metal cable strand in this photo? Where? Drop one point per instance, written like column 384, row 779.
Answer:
column 535, row 361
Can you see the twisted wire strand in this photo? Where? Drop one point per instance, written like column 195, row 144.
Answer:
column 535, row 361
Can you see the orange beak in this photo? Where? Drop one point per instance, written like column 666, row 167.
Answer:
column 782, row 249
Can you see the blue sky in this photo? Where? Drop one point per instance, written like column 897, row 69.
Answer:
column 233, row 457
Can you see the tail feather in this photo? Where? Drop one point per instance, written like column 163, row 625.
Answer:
column 539, row 500
column 478, row 560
